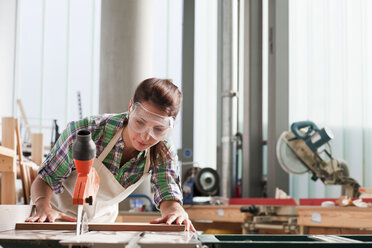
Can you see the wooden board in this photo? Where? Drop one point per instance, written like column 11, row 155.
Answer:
column 7, row 152
column 229, row 213
column 8, row 132
column 212, row 227
column 37, row 152
column 341, row 217
column 101, row 226
column 24, row 117
column 143, row 217
column 8, row 167
column 24, row 173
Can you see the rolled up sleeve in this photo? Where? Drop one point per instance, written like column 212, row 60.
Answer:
column 165, row 179
column 59, row 163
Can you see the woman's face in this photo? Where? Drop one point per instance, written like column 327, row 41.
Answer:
column 142, row 141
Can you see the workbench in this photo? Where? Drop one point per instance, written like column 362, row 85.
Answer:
column 310, row 219
column 109, row 235
column 284, row 241
column 68, row 238
column 334, row 220
column 41, row 239
column 229, row 219
column 14, row 232
column 210, row 219
column 218, row 219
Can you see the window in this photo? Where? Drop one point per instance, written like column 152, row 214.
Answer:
column 331, row 82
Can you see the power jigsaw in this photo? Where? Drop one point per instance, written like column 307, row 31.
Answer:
column 87, row 182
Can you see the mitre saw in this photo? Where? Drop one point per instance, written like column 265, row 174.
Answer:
column 306, row 148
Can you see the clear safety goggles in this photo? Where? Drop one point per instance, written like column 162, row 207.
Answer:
column 142, row 120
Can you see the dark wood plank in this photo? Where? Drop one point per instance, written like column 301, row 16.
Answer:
column 101, row 226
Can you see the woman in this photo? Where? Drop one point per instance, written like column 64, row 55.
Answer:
column 129, row 146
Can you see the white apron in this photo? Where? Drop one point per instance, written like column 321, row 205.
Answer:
column 110, row 193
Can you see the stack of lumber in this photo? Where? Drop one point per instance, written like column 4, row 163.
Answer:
column 10, row 169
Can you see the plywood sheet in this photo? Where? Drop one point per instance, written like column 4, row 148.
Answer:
column 101, row 226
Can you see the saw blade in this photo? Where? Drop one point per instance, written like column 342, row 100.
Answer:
column 84, row 224
column 78, row 220
column 288, row 160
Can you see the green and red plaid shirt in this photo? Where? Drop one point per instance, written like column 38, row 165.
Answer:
column 59, row 163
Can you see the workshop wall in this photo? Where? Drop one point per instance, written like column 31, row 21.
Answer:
column 7, row 47
column 57, row 56
column 205, row 88
column 167, row 49
column 330, row 83
column 56, row 46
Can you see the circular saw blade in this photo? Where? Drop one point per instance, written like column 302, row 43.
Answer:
column 287, row 158
column 207, row 181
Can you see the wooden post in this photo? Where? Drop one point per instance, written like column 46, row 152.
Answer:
column 8, row 132
column 23, row 169
column 8, row 163
column 24, row 117
column 37, row 152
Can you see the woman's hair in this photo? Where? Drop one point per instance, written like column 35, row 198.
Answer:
column 166, row 96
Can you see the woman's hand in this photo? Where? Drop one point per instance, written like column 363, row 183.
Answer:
column 41, row 193
column 45, row 213
column 173, row 212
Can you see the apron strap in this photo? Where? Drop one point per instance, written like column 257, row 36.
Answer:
column 110, row 145
column 148, row 162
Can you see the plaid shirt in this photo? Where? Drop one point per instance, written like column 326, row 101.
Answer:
column 59, row 163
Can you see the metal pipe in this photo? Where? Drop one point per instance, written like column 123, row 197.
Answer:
column 227, row 97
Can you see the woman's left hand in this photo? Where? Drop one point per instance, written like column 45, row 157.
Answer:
column 173, row 212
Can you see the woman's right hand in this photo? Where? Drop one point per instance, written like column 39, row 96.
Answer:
column 45, row 213
column 42, row 193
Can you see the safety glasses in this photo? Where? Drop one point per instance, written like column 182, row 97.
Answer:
column 142, row 120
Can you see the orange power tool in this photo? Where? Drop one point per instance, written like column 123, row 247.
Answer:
column 87, row 182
